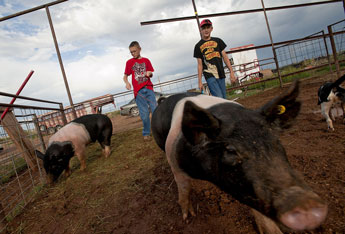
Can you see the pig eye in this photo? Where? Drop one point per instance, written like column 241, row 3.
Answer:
column 230, row 157
column 230, row 149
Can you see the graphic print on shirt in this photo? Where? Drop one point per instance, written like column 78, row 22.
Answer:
column 139, row 72
column 209, row 54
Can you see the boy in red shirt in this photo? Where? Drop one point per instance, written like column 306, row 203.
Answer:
column 141, row 70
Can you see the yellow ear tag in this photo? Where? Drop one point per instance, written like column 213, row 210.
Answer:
column 281, row 109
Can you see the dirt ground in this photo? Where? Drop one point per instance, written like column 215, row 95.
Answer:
column 133, row 191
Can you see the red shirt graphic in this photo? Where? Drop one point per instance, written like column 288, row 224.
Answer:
column 138, row 68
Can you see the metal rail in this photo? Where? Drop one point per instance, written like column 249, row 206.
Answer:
column 284, row 42
column 28, row 98
column 28, row 107
column 31, row 10
column 276, row 77
column 237, row 12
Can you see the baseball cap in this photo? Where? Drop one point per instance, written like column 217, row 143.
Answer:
column 205, row 22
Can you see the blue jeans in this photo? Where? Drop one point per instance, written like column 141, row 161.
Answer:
column 144, row 99
column 217, row 87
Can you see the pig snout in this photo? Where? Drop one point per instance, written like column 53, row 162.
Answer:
column 50, row 178
column 300, row 210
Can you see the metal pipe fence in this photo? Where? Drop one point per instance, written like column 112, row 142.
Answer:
column 311, row 56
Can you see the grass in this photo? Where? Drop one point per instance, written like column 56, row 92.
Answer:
column 126, row 158
column 113, row 114
column 256, row 88
column 8, row 171
column 20, row 206
column 129, row 162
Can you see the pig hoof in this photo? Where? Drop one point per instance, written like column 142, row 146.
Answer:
column 184, row 216
column 191, row 211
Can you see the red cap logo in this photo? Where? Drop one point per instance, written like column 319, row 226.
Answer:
column 205, row 22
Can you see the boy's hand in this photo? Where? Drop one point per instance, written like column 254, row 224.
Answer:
column 232, row 78
column 128, row 86
column 201, row 87
column 149, row 74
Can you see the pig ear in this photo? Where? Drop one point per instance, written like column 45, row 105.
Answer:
column 39, row 154
column 198, row 123
column 283, row 109
column 67, row 147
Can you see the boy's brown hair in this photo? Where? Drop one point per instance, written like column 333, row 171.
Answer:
column 134, row 43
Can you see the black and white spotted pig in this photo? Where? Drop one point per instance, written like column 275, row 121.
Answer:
column 331, row 95
column 72, row 140
column 238, row 149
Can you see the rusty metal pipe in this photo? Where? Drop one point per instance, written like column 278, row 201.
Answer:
column 31, row 10
column 18, row 92
column 237, row 12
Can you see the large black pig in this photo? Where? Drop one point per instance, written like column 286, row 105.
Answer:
column 72, row 140
column 238, row 150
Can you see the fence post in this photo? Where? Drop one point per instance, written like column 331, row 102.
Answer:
column 60, row 61
column 273, row 49
column 39, row 133
column 64, row 120
column 326, row 47
column 334, row 49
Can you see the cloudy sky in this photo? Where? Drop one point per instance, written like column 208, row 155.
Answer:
column 93, row 38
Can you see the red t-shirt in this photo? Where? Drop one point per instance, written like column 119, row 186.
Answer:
column 138, row 68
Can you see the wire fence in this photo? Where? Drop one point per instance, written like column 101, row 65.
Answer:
column 313, row 56
column 304, row 55
column 21, row 174
column 339, row 39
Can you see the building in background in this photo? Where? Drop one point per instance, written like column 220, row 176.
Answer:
column 245, row 63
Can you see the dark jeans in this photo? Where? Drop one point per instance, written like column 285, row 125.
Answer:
column 217, row 87
column 144, row 99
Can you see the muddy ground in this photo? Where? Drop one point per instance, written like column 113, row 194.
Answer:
column 133, row 191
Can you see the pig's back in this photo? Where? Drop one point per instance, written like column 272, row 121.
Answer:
column 96, row 125
column 161, row 118
column 168, row 114
column 74, row 132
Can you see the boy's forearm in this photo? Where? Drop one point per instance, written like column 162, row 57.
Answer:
column 125, row 79
column 128, row 85
column 226, row 60
column 228, row 64
column 199, row 71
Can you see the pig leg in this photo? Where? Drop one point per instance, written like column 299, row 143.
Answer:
column 264, row 224
column 80, row 153
column 106, row 151
column 325, row 110
column 183, row 185
column 105, row 143
column 68, row 170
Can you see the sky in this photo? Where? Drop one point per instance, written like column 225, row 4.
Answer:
column 93, row 38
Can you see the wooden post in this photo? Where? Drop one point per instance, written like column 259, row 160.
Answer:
column 19, row 138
